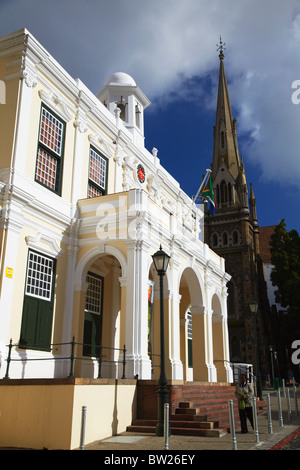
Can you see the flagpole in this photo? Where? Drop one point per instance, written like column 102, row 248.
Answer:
column 202, row 184
column 194, row 199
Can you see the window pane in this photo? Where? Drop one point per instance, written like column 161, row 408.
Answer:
column 94, row 294
column 97, row 172
column 39, row 276
column 46, row 169
column 51, row 131
column 94, row 191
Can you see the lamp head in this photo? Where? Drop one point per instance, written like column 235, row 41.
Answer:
column 253, row 306
column 161, row 261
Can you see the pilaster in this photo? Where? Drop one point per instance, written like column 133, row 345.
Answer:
column 137, row 359
column 174, row 322
column 203, row 368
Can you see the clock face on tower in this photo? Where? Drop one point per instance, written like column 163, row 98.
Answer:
column 141, row 175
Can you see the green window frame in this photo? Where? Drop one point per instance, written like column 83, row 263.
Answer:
column 98, row 170
column 37, row 316
column 189, row 340
column 93, row 314
column 50, row 152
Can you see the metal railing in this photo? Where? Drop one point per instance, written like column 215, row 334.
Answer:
column 72, row 358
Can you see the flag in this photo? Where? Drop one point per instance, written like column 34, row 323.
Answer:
column 208, row 195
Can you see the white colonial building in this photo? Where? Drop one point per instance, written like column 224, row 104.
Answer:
column 84, row 206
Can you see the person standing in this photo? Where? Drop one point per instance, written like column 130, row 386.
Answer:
column 244, row 393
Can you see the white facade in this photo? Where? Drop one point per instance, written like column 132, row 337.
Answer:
column 98, row 219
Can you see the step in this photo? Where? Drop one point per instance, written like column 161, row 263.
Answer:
column 187, row 411
column 197, row 432
column 202, row 410
column 187, row 417
column 142, row 429
column 192, row 424
column 183, row 431
column 176, row 424
column 217, row 415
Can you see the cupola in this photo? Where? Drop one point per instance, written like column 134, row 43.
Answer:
column 120, row 91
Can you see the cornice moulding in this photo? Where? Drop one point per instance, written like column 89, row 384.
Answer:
column 40, row 239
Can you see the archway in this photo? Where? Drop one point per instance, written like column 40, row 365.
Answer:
column 154, row 323
column 99, row 314
column 192, row 325
column 220, row 340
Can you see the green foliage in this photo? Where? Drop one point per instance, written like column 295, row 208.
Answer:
column 285, row 257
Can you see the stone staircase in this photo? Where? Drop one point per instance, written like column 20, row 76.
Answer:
column 203, row 410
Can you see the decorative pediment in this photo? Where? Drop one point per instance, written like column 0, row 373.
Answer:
column 44, row 244
column 54, row 98
column 108, row 148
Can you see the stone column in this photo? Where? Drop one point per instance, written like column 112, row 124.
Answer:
column 137, row 359
column 174, row 335
column 221, row 357
column 8, row 297
column 174, row 317
column 203, row 368
column 115, row 319
column 78, row 322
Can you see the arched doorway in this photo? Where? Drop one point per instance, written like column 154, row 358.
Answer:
column 192, row 324
column 154, row 323
column 220, row 340
column 99, row 314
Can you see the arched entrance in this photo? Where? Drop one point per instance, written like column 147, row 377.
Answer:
column 193, row 326
column 220, row 340
column 154, row 323
column 99, row 314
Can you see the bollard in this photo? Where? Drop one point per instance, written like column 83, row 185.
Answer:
column 83, row 420
column 295, row 395
column 232, row 427
column 289, row 405
column 166, row 425
column 270, row 427
column 283, row 387
column 255, row 420
column 279, row 409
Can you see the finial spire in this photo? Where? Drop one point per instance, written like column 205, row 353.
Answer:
column 221, row 48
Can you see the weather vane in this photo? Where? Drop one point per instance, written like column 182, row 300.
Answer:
column 221, row 48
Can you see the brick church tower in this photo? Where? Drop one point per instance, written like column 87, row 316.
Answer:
column 233, row 233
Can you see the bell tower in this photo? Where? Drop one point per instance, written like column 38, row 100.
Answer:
column 123, row 98
column 228, row 173
column 232, row 232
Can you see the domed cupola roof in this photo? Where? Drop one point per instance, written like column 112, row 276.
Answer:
column 120, row 79
column 121, row 94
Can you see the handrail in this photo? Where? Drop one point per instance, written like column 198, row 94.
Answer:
column 73, row 357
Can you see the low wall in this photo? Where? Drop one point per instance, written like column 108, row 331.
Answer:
column 47, row 413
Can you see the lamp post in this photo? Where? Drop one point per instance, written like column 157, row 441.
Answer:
column 253, row 308
column 161, row 261
column 272, row 365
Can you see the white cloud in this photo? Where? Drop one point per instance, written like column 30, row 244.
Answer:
column 166, row 44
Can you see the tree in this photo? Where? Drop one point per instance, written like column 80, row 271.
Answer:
column 285, row 275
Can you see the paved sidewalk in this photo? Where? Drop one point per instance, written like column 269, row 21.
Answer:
column 262, row 440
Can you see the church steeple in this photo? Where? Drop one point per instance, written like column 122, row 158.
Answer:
column 232, row 231
column 227, row 169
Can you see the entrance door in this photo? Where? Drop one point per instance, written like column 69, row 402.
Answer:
column 189, row 345
column 36, row 328
column 92, row 335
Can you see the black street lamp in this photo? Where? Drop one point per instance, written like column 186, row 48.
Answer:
column 253, row 308
column 161, row 261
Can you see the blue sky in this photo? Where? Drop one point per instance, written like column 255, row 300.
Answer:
column 170, row 48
